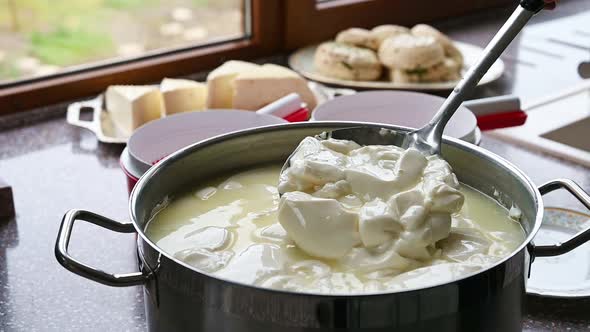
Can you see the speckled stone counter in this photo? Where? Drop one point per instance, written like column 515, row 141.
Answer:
column 54, row 167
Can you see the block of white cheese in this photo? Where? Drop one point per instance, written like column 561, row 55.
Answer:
column 220, row 83
column 131, row 106
column 254, row 89
column 183, row 95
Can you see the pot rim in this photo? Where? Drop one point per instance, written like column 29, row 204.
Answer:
column 178, row 155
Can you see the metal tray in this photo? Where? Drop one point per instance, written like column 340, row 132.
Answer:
column 101, row 123
column 106, row 132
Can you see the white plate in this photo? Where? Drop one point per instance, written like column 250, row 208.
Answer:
column 563, row 276
column 302, row 62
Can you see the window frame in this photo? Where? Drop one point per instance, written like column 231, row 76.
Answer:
column 263, row 39
column 309, row 21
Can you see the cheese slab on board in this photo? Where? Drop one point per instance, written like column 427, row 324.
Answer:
column 131, row 106
column 254, row 89
column 220, row 83
column 182, row 95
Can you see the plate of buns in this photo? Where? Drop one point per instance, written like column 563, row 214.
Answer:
column 391, row 57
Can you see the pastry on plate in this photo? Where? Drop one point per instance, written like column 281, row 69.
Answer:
column 382, row 32
column 347, row 62
column 410, row 52
column 448, row 70
column 451, row 51
column 357, row 37
column 418, row 55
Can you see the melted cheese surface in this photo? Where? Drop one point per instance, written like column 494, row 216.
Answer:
column 229, row 228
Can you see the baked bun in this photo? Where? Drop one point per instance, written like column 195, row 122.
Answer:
column 357, row 37
column 451, row 51
column 382, row 32
column 410, row 52
column 347, row 62
column 448, row 70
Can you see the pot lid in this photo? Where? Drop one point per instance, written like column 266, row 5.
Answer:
column 157, row 139
column 402, row 108
column 567, row 275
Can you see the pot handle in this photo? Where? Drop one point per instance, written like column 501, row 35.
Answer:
column 86, row 271
column 576, row 240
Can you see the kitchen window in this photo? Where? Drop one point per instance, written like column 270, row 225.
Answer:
column 53, row 51
column 41, row 38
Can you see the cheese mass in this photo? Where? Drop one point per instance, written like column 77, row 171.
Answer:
column 228, row 227
column 339, row 195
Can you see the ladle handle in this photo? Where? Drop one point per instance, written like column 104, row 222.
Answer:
column 433, row 131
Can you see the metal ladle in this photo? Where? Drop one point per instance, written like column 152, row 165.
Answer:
column 428, row 138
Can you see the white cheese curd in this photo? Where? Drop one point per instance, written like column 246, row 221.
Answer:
column 405, row 202
column 229, row 228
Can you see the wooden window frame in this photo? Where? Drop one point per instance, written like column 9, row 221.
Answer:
column 309, row 21
column 266, row 18
column 276, row 26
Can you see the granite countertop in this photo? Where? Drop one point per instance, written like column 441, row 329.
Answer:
column 54, row 167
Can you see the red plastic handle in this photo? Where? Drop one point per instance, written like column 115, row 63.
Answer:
column 501, row 120
column 298, row 116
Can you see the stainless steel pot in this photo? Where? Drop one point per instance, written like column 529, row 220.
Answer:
column 178, row 297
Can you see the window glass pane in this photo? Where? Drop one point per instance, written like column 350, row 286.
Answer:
column 43, row 37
